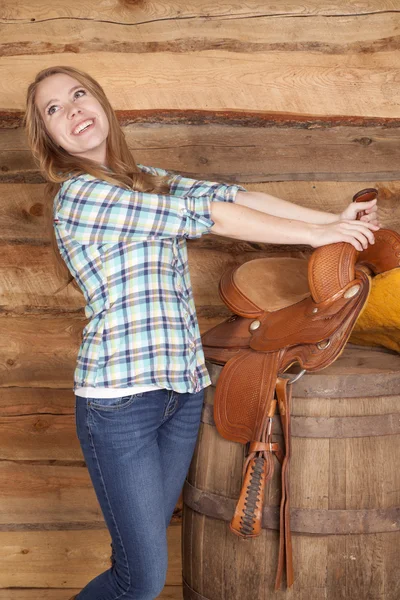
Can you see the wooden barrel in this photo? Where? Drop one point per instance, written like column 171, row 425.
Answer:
column 344, row 489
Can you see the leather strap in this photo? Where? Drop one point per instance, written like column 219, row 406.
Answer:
column 263, row 447
column 284, row 397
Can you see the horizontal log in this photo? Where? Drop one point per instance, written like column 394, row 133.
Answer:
column 40, row 437
column 28, row 279
column 45, row 497
column 170, row 592
column 41, row 349
column 67, row 559
column 247, row 147
column 358, row 34
column 13, row 119
column 19, row 401
column 39, row 425
column 22, row 218
column 137, row 12
column 36, row 496
column 316, row 83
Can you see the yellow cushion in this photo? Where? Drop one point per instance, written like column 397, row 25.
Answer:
column 379, row 322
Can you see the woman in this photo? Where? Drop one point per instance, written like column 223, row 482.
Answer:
column 120, row 229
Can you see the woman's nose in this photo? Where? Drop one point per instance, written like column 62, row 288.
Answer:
column 72, row 111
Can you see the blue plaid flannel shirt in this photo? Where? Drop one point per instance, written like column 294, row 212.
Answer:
column 127, row 252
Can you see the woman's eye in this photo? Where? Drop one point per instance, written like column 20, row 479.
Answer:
column 80, row 92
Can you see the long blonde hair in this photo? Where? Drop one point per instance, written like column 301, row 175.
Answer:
column 57, row 165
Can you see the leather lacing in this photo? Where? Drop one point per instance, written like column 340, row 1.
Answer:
column 252, row 497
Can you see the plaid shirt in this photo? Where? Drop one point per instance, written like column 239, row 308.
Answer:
column 127, row 252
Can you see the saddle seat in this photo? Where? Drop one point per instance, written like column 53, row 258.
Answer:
column 265, row 284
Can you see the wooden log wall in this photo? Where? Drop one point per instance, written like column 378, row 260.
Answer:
column 299, row 99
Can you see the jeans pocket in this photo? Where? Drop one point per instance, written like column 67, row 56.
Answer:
column 117, row 403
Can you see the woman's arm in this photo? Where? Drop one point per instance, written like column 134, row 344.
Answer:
column 244, row 223
column 281, row 208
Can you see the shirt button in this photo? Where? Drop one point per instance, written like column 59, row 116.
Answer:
column 182, row 212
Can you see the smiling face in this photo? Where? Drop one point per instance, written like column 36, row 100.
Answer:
column 73, row 117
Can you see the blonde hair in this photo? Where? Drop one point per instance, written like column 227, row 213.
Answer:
column 57, row 165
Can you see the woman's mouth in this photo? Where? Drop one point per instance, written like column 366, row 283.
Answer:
column 86, row 125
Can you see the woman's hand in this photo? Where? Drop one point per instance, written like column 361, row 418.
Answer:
column 357, row 233
column 371, row 212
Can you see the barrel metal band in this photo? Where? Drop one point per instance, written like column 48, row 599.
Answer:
column 313, row 521
column 330, row 427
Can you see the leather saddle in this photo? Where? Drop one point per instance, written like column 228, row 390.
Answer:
column 285, row 311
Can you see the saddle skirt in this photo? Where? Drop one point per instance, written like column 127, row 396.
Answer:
column 286, row 312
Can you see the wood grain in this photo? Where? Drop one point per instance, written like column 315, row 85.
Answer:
column 170, row 592
column 32, row 358
column 345, row 34
column 242, row 148
column 132, row 11
column 67, row 559
column 316, row 84
column 47, row 496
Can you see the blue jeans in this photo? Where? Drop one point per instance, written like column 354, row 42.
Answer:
column 137, row 449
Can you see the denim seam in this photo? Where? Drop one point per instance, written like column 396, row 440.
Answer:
column 127, row 404
column 108, row 502
column 171, row 404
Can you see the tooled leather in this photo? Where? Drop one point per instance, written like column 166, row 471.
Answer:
column 332, row 266
column 243, row 395
column 330, row 269
column 384, row 255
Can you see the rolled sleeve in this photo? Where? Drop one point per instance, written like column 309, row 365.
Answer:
column 197, row 188
column 95, row 212
column 199, row 195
